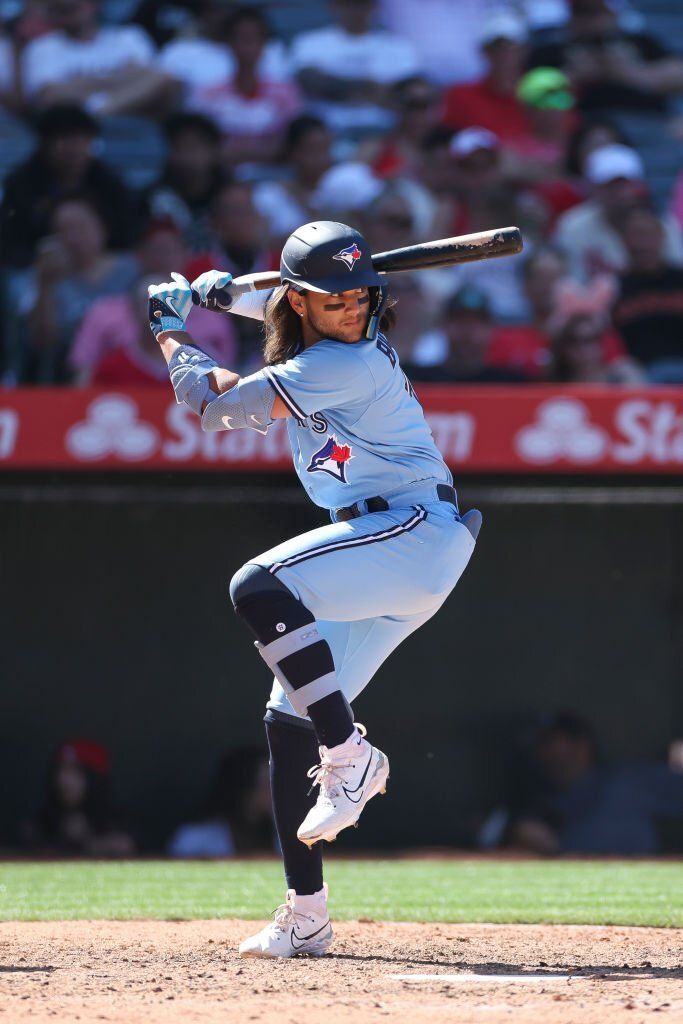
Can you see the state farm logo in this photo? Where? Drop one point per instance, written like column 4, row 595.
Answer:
column 562, row 431
column 112, row 427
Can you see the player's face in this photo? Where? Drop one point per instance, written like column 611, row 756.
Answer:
column 341, row 317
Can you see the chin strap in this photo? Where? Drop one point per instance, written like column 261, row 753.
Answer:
column 381, row 296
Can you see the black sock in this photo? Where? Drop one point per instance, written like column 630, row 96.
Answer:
column 293, row 750
column 332, row 719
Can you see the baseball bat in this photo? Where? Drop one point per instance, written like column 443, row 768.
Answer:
column 444, row 252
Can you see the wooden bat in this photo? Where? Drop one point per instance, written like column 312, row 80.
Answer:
column 444, row 252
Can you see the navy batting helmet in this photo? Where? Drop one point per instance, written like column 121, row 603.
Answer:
column 328, row 257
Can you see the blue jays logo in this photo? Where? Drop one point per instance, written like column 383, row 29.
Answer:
column 331, row 459
column 349, row 255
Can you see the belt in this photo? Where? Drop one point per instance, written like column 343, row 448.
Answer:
column 444, row 492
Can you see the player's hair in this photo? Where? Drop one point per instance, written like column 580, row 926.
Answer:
column 284, row 337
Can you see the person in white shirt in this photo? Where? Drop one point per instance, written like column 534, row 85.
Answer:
column 108, row 69
column 589, row 233
column 347, row 69
column 206, row 60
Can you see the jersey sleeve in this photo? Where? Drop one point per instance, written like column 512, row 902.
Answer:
column 251, row 304
column 329, row 375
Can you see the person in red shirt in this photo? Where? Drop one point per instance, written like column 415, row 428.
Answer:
column 492, row 102
column 418, row 108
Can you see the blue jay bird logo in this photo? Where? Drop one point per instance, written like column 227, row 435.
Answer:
column 349, row 255
column 331, row 459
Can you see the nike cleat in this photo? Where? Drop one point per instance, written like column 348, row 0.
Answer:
column 301, row 926
column 348, row 775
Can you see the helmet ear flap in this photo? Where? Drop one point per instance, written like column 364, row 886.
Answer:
column 378, row 302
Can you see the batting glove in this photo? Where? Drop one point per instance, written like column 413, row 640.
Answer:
column 211, row 291
column 169, row 304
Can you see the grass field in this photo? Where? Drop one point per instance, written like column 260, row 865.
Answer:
column 564, row 892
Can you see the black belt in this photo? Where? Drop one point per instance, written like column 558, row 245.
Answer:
column 444, row 492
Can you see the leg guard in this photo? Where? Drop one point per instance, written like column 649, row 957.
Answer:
column 287, row 636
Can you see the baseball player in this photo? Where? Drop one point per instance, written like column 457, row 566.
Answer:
column 326, row 608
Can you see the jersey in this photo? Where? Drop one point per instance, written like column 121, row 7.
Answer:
column 357, row 428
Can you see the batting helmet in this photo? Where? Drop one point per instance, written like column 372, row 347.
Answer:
column 328, row 257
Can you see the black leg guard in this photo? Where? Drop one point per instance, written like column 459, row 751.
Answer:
column 293, row 749
column 271, row 611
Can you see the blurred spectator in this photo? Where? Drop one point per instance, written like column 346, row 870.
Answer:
column 549, row 104
column 108, row 68
column 583, row 806
column 75, row 266
column 64, row 166
column 347, row 69
column 491, row 102
column 239, row 233
column 444, row 34
column 288, row 203
column 649, row 307
column 417, row 107
column 114, row 346
column 611, row 67
column 578, row 355
column 250, row 109
column 590, row 133
column 237, row 817
column 77, row 817
column 589, row 233
column 465, row 334
column 468, row 187
column 192, row 178
column 206, row 59
column 527, row 347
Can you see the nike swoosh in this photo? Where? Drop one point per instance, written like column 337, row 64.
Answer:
column 350, row 791
column 170, row 305
column 305, row 938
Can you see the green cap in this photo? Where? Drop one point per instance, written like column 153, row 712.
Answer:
column 545, row 89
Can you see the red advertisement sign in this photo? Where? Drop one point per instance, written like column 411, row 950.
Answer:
column 529, row 429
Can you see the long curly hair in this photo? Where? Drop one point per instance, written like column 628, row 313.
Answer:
column 282, row 326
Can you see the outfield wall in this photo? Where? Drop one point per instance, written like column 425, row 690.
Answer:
column 116, row 624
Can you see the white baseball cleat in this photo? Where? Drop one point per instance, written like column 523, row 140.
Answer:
column 348, row 775
column 301, row 925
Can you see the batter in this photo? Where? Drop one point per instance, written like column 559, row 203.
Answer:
column 327, row 607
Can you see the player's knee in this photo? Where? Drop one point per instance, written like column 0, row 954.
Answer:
column 251, row 582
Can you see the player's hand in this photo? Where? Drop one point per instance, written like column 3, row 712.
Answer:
column 211, row 291
column 169, row 304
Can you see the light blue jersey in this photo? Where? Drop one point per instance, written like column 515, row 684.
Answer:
column 357, row 429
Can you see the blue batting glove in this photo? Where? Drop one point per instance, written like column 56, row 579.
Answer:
column 169, row 304
column 212, row 291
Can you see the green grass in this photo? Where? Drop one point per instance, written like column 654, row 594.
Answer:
column 568, row 892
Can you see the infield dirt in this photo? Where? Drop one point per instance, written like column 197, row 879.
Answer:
column 148, row 972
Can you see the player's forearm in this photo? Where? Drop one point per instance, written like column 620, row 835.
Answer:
column 220, row 380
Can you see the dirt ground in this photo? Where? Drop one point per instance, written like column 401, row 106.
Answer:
column 147, row 972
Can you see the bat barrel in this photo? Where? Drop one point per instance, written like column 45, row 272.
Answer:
column 483, row 245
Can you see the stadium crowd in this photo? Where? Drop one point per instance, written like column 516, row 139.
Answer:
column 144, row 136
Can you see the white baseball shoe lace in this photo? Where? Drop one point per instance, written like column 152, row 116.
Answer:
column 348, row 776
